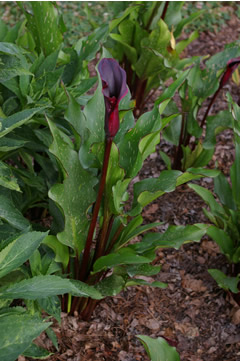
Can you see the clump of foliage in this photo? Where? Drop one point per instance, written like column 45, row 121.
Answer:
column 224, row 213
column 192, row 146
column 143, row 39
column 71, row 225
column 213, row 17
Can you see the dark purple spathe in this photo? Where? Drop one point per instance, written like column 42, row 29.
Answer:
column 232, row 65
column 114, row 88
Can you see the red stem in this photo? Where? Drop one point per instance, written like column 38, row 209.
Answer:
column 179, row 152
column 165, row 10
column 84, row 266
column 100, row 247
column 209, row 107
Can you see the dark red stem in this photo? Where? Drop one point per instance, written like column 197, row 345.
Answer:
column 165, row 10
column 105, row 232
column 158, row 3
column 209, row 107
column 179, row 152
column 84, row 266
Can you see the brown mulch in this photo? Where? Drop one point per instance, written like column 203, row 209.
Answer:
column 202, row 319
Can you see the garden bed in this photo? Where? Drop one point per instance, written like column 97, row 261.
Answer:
column 199, row 318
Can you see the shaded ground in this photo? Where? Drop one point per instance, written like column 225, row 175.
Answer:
column 192, row 311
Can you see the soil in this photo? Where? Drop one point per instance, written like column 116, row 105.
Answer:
column 199, row 317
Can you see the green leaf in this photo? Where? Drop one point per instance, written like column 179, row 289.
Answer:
column 75, row 195
column 224, row 241
column 8, row 144
column 201, row 172
column 187, row 20
column 52, row 336
column 174, row 237
column 112, row 178
column 7, row 178
column 171, row 90
column 166, row 159
column 111, row 285
column 181, row 45
column 142, row 270
column 207, row 196
column 19, row 250
column 6, row 232
column 120, row 195
column 11, row 49
column 117, row 21
column 130, row 52
column 149, row 189
column 88, row 46
column 127, row 236
column 126, row 29
column 203, row 158
column 48, row 286
column 157, row 41
column 215, row 125
column 13, row 60
column 225, row 282
column 159, row 349
column 235, row 174
column 189, row 157
column 131, row 227
column 135, row 147
column 9, row 212
column 11, row 67
column 204, row 82
column 44, row 26
column 172, row 132
column 17, row 333
column 123, row 256
column 75, row 116
column 36, row 352
column 3, row 30
column 219, row 60
column 17, row 120
column 173, row 15
column 61, row 251
column 224, row 192
column 94, row 112
column 51, row 305
column 138, row 281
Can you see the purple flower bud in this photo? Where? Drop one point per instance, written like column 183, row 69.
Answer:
column 232, row 65
column 114, row 88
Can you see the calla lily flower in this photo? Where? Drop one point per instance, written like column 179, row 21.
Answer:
column 232, row 65
column 114, row 88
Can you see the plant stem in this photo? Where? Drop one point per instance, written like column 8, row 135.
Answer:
column 139, row 96
column 87, row 312
column 158, row 3
column 84, row 266
column 114, row 239
column 105, row 232
column 179, row 152
column 209, row 107
column 207, row 112
column 164, row 10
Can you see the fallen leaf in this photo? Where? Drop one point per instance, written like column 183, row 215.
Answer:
column 236, row 317
column 152, row 324
column 193, row 284
column 187, row 329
